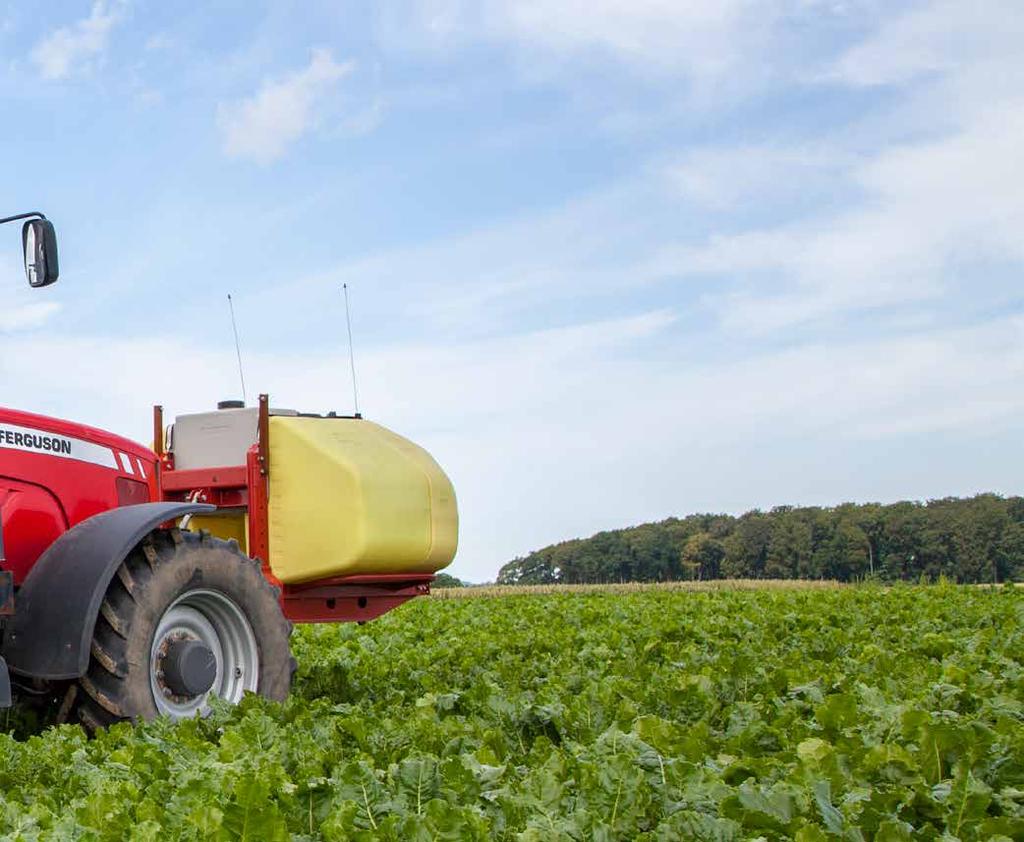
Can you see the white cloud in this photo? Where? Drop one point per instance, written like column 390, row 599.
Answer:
column 937, row 37
column 700, row 37
column 262, row 127
column 21, row 307
column 487, row 280
column 726, row 177
column 662, row 36
column 914, row 213
column 160, row 41
column 72, row 49
column 27, row 316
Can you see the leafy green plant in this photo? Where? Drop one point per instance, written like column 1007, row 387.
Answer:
column 847, row 714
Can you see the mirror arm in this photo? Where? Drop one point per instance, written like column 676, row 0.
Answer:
column 30, row 215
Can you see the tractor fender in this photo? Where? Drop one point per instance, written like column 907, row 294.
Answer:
column 55, row 610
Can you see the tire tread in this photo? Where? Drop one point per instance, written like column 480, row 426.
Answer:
column 103, row 692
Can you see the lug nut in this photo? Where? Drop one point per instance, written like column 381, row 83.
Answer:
column 167, row 692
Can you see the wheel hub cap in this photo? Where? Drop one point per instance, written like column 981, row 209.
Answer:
column 189, row 668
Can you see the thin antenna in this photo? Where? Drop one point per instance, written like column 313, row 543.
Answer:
column 351, row 352
column 238, row 348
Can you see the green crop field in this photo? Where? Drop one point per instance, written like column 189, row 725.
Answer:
column 827, row 713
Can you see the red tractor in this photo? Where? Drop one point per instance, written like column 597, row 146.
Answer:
column 136, row 583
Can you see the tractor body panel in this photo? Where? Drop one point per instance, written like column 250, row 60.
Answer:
column 32, row 520
column 57, row 606
column 55, row 474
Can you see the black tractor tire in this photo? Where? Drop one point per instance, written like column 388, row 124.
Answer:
column 168, row 566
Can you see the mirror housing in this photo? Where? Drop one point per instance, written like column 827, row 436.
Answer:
column 39, row 241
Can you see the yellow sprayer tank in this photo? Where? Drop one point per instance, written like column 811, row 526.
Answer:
column 348, row 496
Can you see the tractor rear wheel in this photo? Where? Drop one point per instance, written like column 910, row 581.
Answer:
column 187, row 617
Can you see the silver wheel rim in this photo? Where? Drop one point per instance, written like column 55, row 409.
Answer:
column 216, row 621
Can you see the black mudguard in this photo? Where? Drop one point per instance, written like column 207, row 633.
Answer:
column 55, row 610
column 5, row 686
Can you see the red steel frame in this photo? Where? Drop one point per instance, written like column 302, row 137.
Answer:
column 335, row 599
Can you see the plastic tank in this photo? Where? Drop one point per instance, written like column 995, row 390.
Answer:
column 348, row 496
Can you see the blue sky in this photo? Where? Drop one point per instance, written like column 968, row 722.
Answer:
column 608, row 261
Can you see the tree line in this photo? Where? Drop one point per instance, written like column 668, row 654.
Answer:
column 976, row 539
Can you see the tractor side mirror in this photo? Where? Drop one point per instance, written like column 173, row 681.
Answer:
column 39, row 240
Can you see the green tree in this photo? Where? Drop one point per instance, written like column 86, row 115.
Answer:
column 746, row 549
column 535, row 569
column 1010, row 552
column 978, row 539
column 790, row 549
column 701, row 557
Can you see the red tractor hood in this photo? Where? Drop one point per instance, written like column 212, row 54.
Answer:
column 13, row 419
column 55, row 474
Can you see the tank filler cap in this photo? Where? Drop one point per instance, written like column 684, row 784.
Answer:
column 232, row 404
